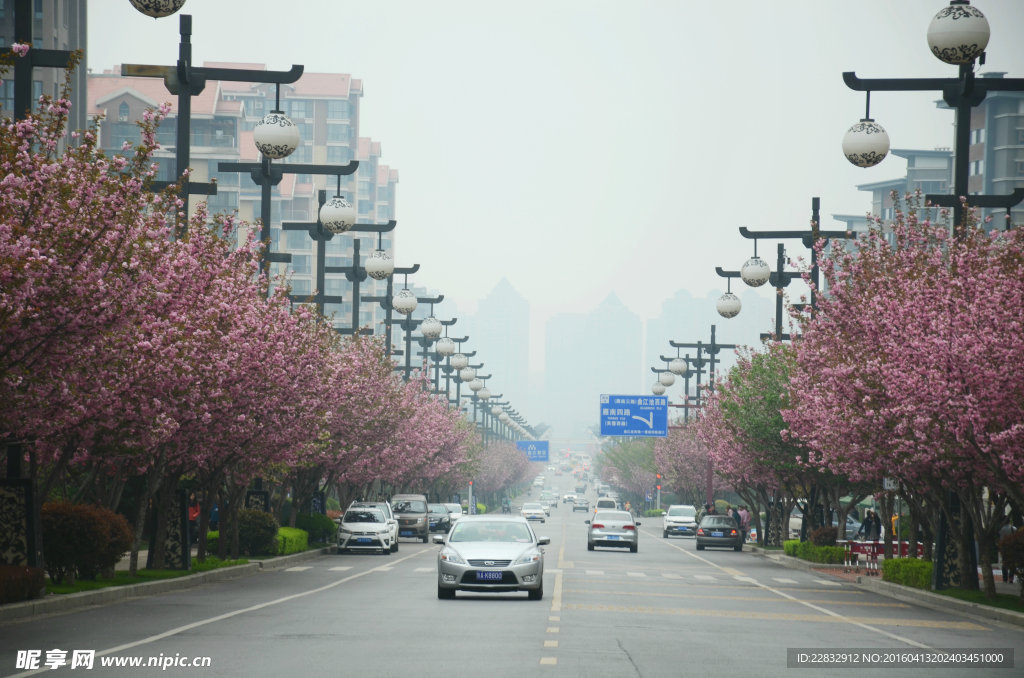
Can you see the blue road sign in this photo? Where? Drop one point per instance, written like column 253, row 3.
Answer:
column 634, row 415
column 536, row 450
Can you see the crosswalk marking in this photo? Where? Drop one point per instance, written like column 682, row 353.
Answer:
column 595, row 573
column 341, row 568
column 784, row 580
column 826, row 582
column 300, row 568
column 671, row 575
column 636, row 574
column 704, row 577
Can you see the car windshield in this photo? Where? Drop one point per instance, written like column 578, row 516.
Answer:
column 409, row 506
column 532, row 507
column 438, row 508
column 497, row 531
column 454, row 508
column 682, row 511
column 363, row 516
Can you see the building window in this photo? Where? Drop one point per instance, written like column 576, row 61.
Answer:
column 302, row 264
column 123, row 112
column 338, row 110
column 338, row 155
column 301, row 287
column 298, row 240
column 338, row 132
column 301, row 109
column 977, row 168
column 1020, row 136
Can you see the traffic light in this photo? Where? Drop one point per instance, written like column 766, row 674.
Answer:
column 659, row 482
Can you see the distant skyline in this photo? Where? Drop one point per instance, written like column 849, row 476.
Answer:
column 586, row 147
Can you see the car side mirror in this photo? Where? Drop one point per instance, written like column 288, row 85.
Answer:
column 438, row 538
column 586, row 522
column 541, row 541
column 638, row 523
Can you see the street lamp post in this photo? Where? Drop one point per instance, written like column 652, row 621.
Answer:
column 406, row 304
column 187, row 81
column 387, row 301
column 321, row 232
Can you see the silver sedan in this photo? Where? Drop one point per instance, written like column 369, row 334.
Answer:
column 490, row 553
column 613, row 528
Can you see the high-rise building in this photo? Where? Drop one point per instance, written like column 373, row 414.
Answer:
column 500, row 333
column 325, row 107
column 56, row 24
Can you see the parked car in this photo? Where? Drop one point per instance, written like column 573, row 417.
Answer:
column 440, row 518
column 385, row 508
column 364, row 529
column 491, row 553
column 533, row 511
column 719, row 531
column 679, row 520
column 613, row 528
column 411, row 511
column 581, row 504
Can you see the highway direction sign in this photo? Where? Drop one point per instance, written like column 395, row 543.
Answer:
column 634, row 415
column 536, row 450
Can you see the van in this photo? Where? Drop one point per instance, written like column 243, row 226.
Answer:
column 411, row 511
column 605, row 503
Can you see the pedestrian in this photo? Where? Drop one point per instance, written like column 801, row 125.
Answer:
column 215, row 517
column 193, row 517
column 871, row 528
column 744, row 521
column 1007, row 567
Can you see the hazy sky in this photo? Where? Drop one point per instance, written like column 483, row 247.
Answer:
column 579, row 147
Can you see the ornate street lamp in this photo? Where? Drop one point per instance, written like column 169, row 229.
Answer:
column 158, row 8
column 755, row 271
column 728, row 305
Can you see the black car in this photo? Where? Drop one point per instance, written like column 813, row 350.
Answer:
column 440, row 517
column 718, row 530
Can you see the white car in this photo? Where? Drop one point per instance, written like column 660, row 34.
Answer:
column 680, row 520
column 389, row 515
column 364, row 529
column 569, row 498
column 455, row 510
column 533, row 511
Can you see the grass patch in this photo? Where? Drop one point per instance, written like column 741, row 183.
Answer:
column 124, row 578
column 1003, row 601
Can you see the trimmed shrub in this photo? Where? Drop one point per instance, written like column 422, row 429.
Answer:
column 212, row 537
column 823, row 536
column 20, row 582
column 319, row 527
column 806, row 550
column 80, row 540
column 291, row 540
column 908, row 572
column 257, row 533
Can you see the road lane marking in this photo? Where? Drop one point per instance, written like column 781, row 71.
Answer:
column 827, row 582
column 298, row 568
column 636, row 574
column 595, row 573
column 826, row 617
column 784, row 580
column 817, row 608
column 340, row 568
column 556, row 594
column 704, row 577
column 720, row 596
column 550, row 643
column 227, row 615
column 549, row 661
column 553, row 629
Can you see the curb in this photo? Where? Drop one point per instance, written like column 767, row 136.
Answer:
column 60, row 603
column 904, row 593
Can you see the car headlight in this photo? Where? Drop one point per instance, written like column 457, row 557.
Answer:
column 451, row 556
column 344, row 530
column 527, row 558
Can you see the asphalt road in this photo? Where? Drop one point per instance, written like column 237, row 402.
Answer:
column 665, row 611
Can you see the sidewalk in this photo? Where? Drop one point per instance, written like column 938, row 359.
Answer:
column 905, row 593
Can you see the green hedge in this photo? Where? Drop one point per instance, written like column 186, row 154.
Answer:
column 291, row 540
column 319, row 527
column 654, row 513
column 816, row 554
column 908, row 572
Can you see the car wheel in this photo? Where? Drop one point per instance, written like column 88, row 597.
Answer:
column 339, row 550
column 700, row 547
column 394, row 546
column 633, row 548
column 445, row 594
column 590, row 547
column 426, row 538
column 664, row 534
column 537, row 593
column 739, row 547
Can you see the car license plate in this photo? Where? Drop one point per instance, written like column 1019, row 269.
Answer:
column 488, row 575
column 405, row 533
column 612, row 536
column 717, row 534
column 363, row 540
